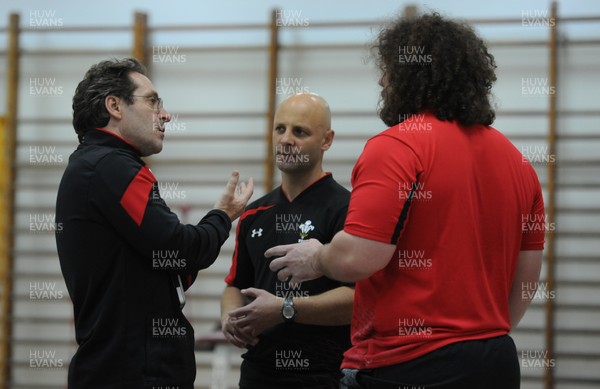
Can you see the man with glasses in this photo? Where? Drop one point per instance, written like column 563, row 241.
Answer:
column 125, row 256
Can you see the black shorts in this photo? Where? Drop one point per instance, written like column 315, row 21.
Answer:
column 477, row 364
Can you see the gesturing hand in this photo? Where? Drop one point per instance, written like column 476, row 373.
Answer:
column 234, row 198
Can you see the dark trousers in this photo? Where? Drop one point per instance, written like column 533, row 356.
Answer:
column 476, row 364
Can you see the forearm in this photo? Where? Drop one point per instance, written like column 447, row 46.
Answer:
column 349, row 258
column 331, row 308
column 212, row 231
column 231, row 299
column 518, row 307
column 526, row 276
column 334, row 261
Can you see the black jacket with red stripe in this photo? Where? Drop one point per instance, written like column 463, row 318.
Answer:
column 121, row 250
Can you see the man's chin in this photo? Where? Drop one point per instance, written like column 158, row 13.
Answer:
column 292, row 168
column 151, row 150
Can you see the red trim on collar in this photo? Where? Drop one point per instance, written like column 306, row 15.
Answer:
column 117, row 136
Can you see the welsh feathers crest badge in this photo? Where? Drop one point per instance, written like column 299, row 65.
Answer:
column 305, row 228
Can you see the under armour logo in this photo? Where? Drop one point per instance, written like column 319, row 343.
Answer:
column 256, row 232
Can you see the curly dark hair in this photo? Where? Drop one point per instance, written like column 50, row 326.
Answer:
column 435, row 64
column 106, row 78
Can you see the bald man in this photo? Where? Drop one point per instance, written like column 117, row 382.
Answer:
column 295, row 334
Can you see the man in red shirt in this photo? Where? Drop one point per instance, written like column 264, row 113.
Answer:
column 445, row 225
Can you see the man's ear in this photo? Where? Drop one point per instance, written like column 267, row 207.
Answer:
column 113, row 107
column 327, row 139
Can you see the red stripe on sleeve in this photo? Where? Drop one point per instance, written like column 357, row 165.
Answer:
column 136, row 196
column 232, row 271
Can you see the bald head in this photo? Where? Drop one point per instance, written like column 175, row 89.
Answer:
column 307, row 108
column 301, row 134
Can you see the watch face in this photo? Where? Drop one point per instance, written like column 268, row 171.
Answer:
column 288, row 312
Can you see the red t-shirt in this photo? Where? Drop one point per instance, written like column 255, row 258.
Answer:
column 459, row 204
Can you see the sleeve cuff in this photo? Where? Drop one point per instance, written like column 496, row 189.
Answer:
column 221, row 215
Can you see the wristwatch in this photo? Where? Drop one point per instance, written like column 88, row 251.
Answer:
column 288, row 309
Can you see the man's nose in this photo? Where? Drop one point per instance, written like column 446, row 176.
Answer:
column 164, row 115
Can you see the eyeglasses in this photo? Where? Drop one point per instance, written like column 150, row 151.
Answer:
column 157, row 102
